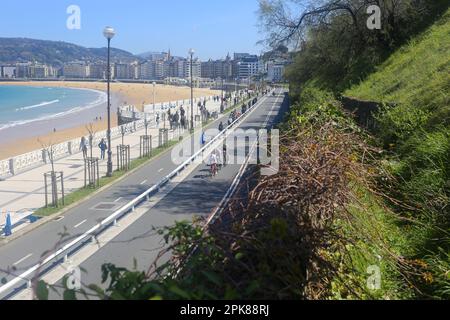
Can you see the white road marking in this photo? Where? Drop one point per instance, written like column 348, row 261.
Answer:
column 143, row 182
column 117, row 200
column 81, row 223
column 160, row 170
column 22, row 260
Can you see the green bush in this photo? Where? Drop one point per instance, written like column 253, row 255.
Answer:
column 397, row 124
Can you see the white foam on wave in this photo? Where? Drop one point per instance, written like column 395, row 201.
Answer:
column 101, row 99
column 42, row 104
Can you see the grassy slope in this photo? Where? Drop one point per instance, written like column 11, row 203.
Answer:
column 370, row 231
column 417, row 78
column 417, row 74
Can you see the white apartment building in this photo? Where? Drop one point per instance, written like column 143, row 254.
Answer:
column 135, row 70
column 40, row 71
column 147, row 70
column 76, row 70
column 122, row 71
column 196, row 69
column 22, row 70
column 275, row 71
column 159, row 67
column 7, row 72
column 97, row 71
column 249, row 66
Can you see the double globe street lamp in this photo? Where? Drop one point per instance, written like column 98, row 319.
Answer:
column 109, row 33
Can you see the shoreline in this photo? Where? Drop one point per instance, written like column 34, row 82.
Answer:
column 98, row 102
column 26, row 138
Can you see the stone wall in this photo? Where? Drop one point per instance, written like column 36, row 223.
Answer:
column 363, row 111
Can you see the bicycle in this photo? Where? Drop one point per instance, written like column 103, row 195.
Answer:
column 214, row 170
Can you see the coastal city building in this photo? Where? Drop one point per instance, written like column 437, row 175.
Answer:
column 275, row 71
column 76, row 70
column 222, row 69
column 7, row 72
column 122, row 71
column 248, row 66
column 28, row 71
column 156, row 67
column 97, row 71
column 22, row 70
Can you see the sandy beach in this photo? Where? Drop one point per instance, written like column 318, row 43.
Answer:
column 135, row 94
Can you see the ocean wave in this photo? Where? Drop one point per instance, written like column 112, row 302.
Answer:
column 42, row 104
column 101, row 99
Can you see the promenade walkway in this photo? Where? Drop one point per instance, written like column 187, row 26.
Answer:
column 25, row 191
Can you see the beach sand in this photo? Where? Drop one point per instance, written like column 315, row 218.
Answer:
column 123, row 93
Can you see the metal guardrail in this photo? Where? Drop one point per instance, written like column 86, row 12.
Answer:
column 91, row 234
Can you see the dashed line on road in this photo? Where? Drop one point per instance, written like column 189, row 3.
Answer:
column 22, row 260
column 81, row 223
column 118, row 199
column 143, row 182
column 160, row 170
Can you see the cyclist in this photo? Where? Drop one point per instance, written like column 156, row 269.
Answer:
column 213, row 163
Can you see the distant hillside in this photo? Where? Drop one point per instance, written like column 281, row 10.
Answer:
column 55, row 53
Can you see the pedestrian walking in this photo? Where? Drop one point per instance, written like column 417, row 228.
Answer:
column 103, row 147
column 224, row 154
column 84, row 147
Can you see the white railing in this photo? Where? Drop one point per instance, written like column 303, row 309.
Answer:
column 65, row 251
column 4, row 168
column 35, row 158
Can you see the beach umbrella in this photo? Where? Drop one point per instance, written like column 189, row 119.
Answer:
column 8, row 228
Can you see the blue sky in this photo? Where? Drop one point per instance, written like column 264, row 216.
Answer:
column 211, row 27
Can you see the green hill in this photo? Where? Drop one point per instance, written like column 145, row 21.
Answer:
column 416, row 134
column 411, row 218
column 55, row 53
column 416, row 75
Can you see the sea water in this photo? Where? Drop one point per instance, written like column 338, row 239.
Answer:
column 25, row 104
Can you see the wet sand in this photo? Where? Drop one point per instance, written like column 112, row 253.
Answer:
column 29, row 137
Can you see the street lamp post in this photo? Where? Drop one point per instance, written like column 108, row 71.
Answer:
column 154, row 85
column 221, row 103
column 191, row 53
column 109, row 33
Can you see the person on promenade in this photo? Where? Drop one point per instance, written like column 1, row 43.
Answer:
column 203, row 139
column 213, row 162
column 103, row 147
column 224, row 154
column 84, row 147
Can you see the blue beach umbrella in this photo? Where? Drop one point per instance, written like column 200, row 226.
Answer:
column 8, row 228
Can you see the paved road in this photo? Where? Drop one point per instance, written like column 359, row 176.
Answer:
column 196, row 195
